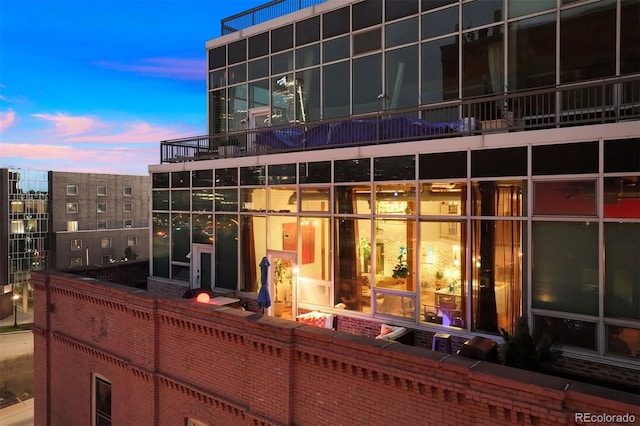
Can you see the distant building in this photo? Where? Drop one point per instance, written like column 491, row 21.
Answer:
column 66, row 221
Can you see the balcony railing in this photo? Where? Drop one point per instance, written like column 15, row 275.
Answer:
column 604, row 101
column 266, row 12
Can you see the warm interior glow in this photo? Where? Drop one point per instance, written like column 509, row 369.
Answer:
column 203, row 298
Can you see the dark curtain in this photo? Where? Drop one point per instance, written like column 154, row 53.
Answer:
column 486, row 308
column 463, row 257
column 346, row 259
column 248, row 256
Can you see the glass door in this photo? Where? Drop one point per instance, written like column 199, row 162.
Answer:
column 258, row 118
column 201, row 256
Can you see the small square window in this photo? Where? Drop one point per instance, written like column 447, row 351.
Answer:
column 106, row 259
column 76, row 244
column 102, row 191
column 105, row 242
column 102, row 224
column 102, row 207
column 72, row 189
column 127, row 207
column 76, row 261
column 127, row 191
column 132, row 240
column 72, row 207
column 127, row 223
column 72, row 225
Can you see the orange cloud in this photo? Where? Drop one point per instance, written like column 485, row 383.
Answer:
column 7, row 119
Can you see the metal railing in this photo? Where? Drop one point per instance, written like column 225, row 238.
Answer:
column 604, row 101
column 266, row 12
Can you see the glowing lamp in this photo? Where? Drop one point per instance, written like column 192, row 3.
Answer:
column 203, row 298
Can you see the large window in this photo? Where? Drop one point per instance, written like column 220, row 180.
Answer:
column 101, row 402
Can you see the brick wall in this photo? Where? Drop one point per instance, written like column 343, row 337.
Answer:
column 169, row 359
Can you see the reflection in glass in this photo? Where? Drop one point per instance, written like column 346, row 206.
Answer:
column 401, row 32
column 532, row 59
column 226, row 251
column 202, row 231
column 623, row 341
column 253, row 200
column 252, row 249
column 283, row 199
column 180, row 200
column 353, row 199
column 308, row 89
column 402, row 76
column 565, row 331
column 622, row 274
column 336, row 90
column 180, row 230
column 202, row 200
column 367, row 84
column 483, row 63
column 565, row 198
column 622, row 197
column 442, row 22
column 226, row 200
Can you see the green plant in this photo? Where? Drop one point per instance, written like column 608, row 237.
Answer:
column 365, row 248
column 439, row 275
column 521, row 350
column 401, row 270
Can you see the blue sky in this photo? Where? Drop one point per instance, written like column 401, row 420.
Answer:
column 95, row 85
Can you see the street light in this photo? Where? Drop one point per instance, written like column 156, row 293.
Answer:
column 15, row 310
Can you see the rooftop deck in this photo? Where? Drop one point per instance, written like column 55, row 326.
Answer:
column 603, row 101
column 266, row 12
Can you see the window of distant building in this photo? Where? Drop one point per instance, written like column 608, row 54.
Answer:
column 132, row 240
column 102, row 191
column 102, row 207
column 76, row 244
column 127, row 191
column 102, row 224
column 76, row 261
column 105, row 242
column 101, row 402
column 72, row 189
column 127, row 207
column 72, row 207
column 127, row 223
column 72, row 225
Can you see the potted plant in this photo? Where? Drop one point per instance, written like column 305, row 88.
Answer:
column 281, row 274
column 521, row 350
column 439, row 278
column 401, row 270
column 365, row 253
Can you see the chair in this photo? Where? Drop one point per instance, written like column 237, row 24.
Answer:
column 430, row 314
column 444, row 338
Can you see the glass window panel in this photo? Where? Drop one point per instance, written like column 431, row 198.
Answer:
column 432, row 4
column 315, row 172
column 592, row 25
column 629, row 37
column 102, row 402
column 180, row 200
column 202, row 178
column 282, row 62
column 502, row 198
column 160, row 180
column 336, row 22
column 218, row 78
column 282, row 234
column 526, row 7
column 565, row 158
column 308, row 56
column 338, row 48
column 180, row 232
column 443, row 199
column 227, row 177
column 202, row 231
column 367, row 84
column 218, row 111
column 353, row 257
column 258, row 68
column 402, row 77
column 253, row 175
column 308, row 89
column 336, row 90
column 396, row 305
column 258, row 94
column 401, row 32
column 440, row 60
column 308, row 31
column 284, row 100
column 237, row 51
column 226, row 252
column 483, row 63
column 283, row 200
column 497, row 273
column 532, row 59
column 354, row 199
column 180, row 179
column 394, row 168
column 442, row 276
column 443, row 165
column 622, row 270
column 623, row 341
column 253, row 200
column 481, row 12
column 565, row 198
column 565, row 267
column 315, row 199
column 259, row 45
column 282, row 39
column 252, row 249
column 622, row 197
column 217, row 57
column 366, row 14
column 395, row 199
column 237, row 74
column 282, row 174
column 441, row 22
column 202, row 200
column 622, row 155
column 226, row 200
column 565, row 331
column 394, row 259
column 399, row 9
column 314, row 283
column 367, row 41
column 357, row 170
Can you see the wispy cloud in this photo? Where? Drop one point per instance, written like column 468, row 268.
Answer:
column 175, row 68
column 66, row 125
column 7, row 118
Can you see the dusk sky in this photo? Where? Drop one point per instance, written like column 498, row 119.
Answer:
column 95, row 85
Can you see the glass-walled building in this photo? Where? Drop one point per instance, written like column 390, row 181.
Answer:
column 459, row 233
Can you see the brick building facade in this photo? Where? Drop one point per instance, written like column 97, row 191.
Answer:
column 166, row 360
